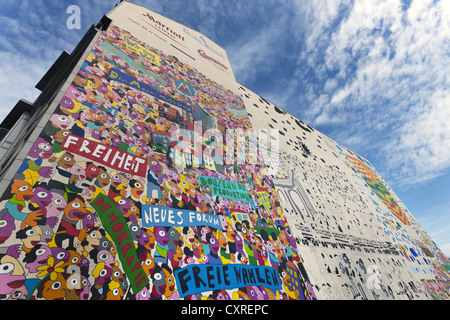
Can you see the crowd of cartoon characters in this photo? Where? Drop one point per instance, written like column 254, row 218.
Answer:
column 52, row 243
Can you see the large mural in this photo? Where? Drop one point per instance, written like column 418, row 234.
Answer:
column 357, row 239
column 146, row 183
column 114, row 203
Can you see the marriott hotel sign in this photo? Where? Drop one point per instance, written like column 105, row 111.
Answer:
column 164, row 28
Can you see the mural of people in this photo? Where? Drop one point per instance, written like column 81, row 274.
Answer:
column 109, row 139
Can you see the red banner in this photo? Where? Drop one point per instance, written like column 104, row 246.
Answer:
column 106, row 155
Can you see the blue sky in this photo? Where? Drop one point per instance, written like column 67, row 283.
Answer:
column 371, row 74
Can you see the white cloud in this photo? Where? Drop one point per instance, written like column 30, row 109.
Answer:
column 14, row 87
column 384, row 72
column 422, row 146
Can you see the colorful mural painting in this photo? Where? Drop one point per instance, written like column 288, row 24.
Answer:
column 101, row 209
column 146, row 183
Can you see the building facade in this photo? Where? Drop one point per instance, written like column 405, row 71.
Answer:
column 145, row 171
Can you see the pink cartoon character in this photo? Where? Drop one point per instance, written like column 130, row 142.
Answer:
column 12, row 274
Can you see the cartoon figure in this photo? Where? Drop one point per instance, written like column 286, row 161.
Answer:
column 32, row 169
column 7, row 225
column 102, row 275
column 37, row 257
column 59, row 122
column 12, row 275
column 162, row 240
column 53, row 288
column 158, row 278
column 115, row 291
column 73, row 212
column 214, row 246
column 154, row 172
column 247, row 235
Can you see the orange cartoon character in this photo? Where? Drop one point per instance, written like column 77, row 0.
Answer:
column 74, row 211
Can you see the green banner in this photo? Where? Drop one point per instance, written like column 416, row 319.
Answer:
column 116, row 225
column 225, row 188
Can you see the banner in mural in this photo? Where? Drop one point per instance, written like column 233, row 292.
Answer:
column 100, row 209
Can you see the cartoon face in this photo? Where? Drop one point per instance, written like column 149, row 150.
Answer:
column 66, row 161
column 123, row 204
column 6, row 226
column 135, row 231
column 42, row 197
column 272, row 246
column 154, row 165
column 175, row 237
column 244, row 231
column 47, row 233
column 119, row 181
column 198, row 248
column 37, row 257
column 170, row 282
column 188, row 235
column 67, row 104
column 242, row 259
column 289, row 236
column 85, row 117
column 93, row 239
column 61, row 121
column 78, row 171
column 60, row 254
column 267, row 294
column 20, row 293
column 92, row 171
column 75, row 210
column 11, row 274
column 161, row 235
column 137, row 188
column 175, row 189
column 188, row 260
column 61, row 135
column 102, row 273
column 133, row 211
column 41, row 149
column 57, row 205
column 117, row 274
column 222, row 239
column 80, row 81
column 149, row 238
column 103, row 177
column 78, row 287
column 213, row 243
column 148, row 264
column 144, row 294
column 159, row 281
column 73, row 260
column 53, row 289
column 72, row 93
column 230, row 232
column 22, row 190
column 89, row 221
column 30, row 236
column 254, row 293
column 240, row 295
